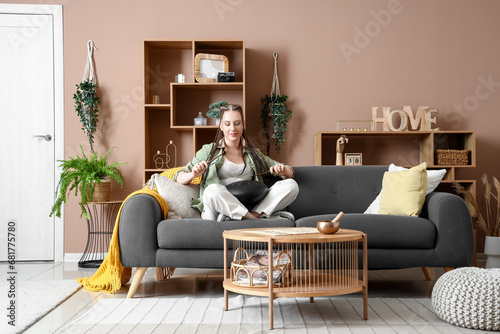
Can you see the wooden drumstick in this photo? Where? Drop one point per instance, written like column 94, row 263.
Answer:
column 340, row 215
column 211, row 160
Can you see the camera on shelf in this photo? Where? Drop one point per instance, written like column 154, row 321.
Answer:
column 225, row 77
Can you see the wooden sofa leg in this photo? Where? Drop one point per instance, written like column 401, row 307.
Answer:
column 427, row 273
column 136, row 280
column 446, row 269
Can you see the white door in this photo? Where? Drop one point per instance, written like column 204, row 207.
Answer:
column 28, row 131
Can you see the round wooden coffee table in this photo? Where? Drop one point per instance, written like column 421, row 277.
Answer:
column 305, row 265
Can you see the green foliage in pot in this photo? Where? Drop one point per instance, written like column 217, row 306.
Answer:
column 81, row 174
column 275, row 106
column 214, row 109
column 86, row 101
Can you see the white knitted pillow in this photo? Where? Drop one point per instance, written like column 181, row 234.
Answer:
column 434, row 177
column 177, row 196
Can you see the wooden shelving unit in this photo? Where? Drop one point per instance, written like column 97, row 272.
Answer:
column 180, row 103
column 406, row 148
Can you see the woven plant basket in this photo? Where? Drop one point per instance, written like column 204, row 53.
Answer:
column 102, row 192
column 452, row 157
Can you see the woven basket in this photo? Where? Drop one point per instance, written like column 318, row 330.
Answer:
column 452, row 157
column 253, row 271
column 102, row 193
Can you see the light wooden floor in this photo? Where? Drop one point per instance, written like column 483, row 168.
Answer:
column 402, row 283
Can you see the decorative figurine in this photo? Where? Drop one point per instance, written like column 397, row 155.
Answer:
column 340, row 149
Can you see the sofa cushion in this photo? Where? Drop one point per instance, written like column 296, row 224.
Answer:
column 206, row 234
column 384, row 231
column 330, row 189
column 434, row 177
column 178, row 196
column 403, row 192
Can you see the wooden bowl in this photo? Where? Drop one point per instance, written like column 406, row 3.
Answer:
column 328, row 227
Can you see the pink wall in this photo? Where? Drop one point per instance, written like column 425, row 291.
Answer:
column 427, row 52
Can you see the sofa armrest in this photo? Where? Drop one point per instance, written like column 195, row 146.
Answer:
column 455, row 237
column 137, row 231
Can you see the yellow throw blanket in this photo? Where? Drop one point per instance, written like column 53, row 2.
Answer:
column 109, row 275
column 108, row 278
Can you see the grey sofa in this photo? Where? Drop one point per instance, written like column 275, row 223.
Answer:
column 441, row 237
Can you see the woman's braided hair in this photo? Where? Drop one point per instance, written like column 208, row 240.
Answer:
column 260, row 164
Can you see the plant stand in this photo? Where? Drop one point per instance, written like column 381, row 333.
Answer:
column 100, row 225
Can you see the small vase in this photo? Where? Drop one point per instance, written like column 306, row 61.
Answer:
column 492, row 250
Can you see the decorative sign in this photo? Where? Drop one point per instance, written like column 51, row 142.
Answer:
column 422, row 118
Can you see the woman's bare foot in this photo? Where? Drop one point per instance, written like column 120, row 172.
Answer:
column 251, row 215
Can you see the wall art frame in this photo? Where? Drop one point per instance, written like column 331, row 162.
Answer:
column 207, row 66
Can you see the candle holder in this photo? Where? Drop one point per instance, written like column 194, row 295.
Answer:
column 162, row 160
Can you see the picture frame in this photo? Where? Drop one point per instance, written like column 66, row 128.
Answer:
column 353, row 159
column 207, row 66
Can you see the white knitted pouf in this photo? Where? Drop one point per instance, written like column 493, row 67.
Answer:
column 469, row 297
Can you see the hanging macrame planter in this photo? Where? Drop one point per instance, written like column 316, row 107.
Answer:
column 86, row 99
column 274, row 106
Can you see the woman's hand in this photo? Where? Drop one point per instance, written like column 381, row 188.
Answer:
column 279, row 169
column 199, row 168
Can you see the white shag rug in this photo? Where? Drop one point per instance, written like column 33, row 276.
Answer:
column 250, row 315
column 33, row 300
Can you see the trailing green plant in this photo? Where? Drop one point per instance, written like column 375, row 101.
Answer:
column 276, row 107
column 214, row 109
column 491, row 224
column 86, row 101
column 82, row 174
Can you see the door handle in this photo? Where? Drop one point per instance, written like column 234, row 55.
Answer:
column 46, row 137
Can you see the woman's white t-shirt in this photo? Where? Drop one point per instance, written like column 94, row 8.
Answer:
column 230, row 172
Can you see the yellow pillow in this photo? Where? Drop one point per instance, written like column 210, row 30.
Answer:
column 403, row 193
column 171, row 172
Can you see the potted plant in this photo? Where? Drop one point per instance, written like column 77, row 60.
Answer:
column 275, row 107
column 86, row 101
column 83, row 174
column 214, row 110
column 491, row 223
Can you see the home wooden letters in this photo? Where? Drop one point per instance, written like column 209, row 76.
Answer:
column 422, row 118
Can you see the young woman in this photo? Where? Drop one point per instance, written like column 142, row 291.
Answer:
column 231, row 158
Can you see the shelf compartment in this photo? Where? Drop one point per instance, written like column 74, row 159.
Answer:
column 163, row 60
column 203, row 135
column 159, row 135
column 459, row 140
column 377, row 148
column 232, row 49
column 190, row 99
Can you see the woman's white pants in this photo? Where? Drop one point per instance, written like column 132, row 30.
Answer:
column 217, row 199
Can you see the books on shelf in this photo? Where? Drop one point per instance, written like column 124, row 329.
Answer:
column 257, row 266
